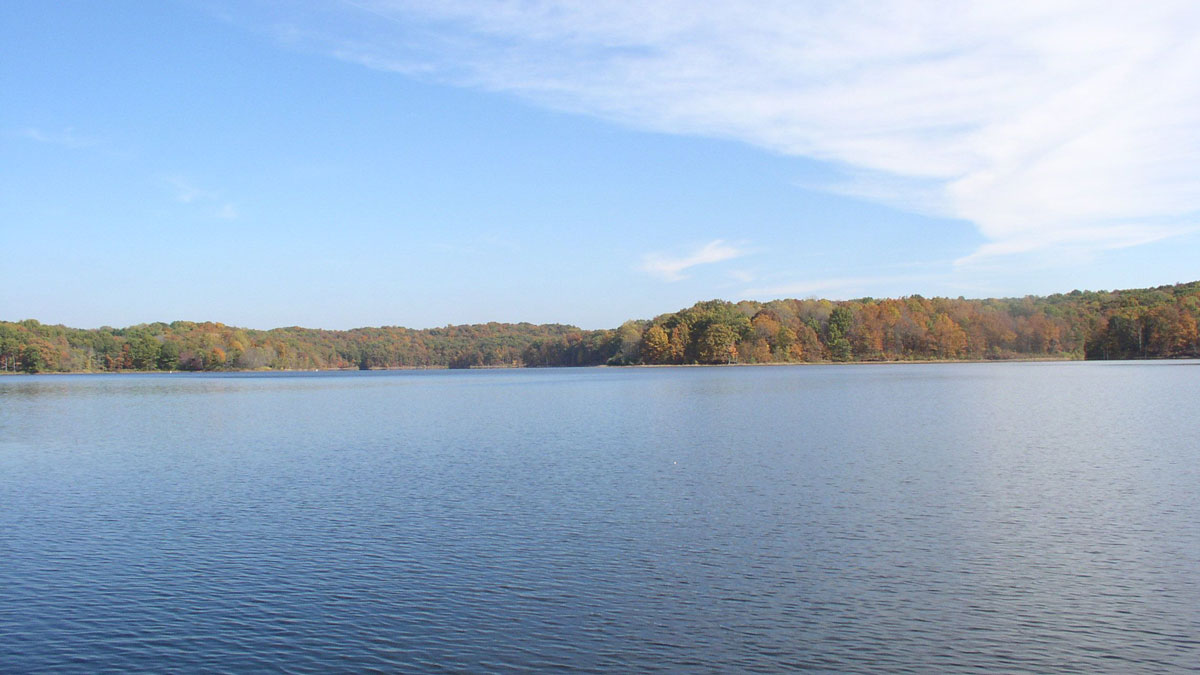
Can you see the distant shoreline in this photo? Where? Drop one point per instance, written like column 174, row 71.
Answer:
column 1149, row 323
column 600, row 366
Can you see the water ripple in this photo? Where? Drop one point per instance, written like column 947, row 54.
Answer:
column 965, row 518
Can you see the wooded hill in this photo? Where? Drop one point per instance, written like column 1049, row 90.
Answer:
column 1141, row 323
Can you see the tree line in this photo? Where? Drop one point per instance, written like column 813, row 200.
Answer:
column 1140, row 323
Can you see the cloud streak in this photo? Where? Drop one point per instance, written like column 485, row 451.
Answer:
column 1048, row 125
column 187, row 192
column 672, row 268
column 66, row 138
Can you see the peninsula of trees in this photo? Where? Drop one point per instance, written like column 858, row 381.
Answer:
column 1142, row 323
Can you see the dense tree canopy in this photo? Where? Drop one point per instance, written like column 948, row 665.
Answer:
column 1142, row 323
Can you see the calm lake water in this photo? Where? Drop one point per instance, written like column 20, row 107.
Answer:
column 1013, row 516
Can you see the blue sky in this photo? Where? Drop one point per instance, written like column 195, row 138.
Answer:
column 340, row 164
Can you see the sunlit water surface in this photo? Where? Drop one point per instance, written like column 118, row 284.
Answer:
column 1020, row 516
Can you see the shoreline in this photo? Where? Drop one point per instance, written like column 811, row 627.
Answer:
column 633, row 366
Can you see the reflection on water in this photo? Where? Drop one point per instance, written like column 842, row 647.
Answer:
column 1015, row 516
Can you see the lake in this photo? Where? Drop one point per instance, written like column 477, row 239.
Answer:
column 899, row 518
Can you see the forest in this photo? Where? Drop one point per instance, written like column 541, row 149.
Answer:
column 1127, row 324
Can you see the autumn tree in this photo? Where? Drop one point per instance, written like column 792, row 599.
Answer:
column 681, row 338
column 1170, row 331
column 716, row 344
column 629, row 336
column 838, row 329
column 656, row 345
column 32, row 358
column 144, row 353
column 949, row 339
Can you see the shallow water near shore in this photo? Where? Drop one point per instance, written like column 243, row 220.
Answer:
column 960, row 517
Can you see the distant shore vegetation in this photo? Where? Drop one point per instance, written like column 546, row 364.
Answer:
column 1141, row 323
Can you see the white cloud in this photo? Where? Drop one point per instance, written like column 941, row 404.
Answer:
column 672, row 268
column 66, row 138
column 227, row 212
column 187, row 192
column 1049, row 124
column 743, row 276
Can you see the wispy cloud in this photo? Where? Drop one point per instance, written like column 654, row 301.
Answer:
column 227, row 212
column 1048, row 124
column 188, row 192
column 743, row 276
column 673, row 268
column 66, row 138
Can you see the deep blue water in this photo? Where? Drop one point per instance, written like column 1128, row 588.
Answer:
column 958, row 517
